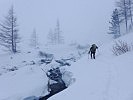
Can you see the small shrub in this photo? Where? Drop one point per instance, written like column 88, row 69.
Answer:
column 120, row 47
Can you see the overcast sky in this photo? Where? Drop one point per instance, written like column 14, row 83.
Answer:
column 79, row 19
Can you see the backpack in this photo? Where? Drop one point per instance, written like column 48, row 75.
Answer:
column 93, row 48
column 94, row 45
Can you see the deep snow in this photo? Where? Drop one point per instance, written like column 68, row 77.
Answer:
column 101, row 79
column 28, row 78
column 108, row 77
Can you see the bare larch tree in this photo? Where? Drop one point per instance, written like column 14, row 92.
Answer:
column 9, row 37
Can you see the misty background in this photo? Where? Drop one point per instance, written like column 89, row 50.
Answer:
column 80, row 20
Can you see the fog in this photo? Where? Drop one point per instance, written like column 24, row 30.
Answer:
column 80, row 20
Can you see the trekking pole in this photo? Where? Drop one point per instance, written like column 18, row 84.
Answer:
column 98, row 53
column 88, row 54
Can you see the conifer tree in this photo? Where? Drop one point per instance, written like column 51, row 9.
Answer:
column 123, row 11
column 34, row 39
column 115, row 24
column 9, row 37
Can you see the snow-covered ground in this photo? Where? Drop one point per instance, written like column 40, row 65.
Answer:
column 108, row 77
column 101, row 79
column 21, row 75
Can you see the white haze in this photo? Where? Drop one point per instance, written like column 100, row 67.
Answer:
column 79, row 19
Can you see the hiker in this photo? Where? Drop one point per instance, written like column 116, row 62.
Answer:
column 92, row 51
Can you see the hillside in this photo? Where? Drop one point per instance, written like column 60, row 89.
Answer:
column 108, row 77
column 52, row 38
column 21, row 74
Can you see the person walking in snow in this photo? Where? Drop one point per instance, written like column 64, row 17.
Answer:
column 92, row 51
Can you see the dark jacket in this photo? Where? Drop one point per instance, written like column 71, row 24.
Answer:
column 93, row 48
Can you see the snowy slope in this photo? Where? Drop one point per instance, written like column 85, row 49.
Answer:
column 26, row 80
column 101, row 80
column 22, row 83
column 21, row 75
column 106, row 78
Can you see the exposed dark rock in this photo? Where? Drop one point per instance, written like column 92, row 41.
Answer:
column 29, row 52
column 70, row 59
column 45, row 55
column 13, row 69
column 32, row 62
column 46, row 58
column 55, row 74
column 46, row 61
column 23, row 61
column 63, row 62
column 55, row 88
